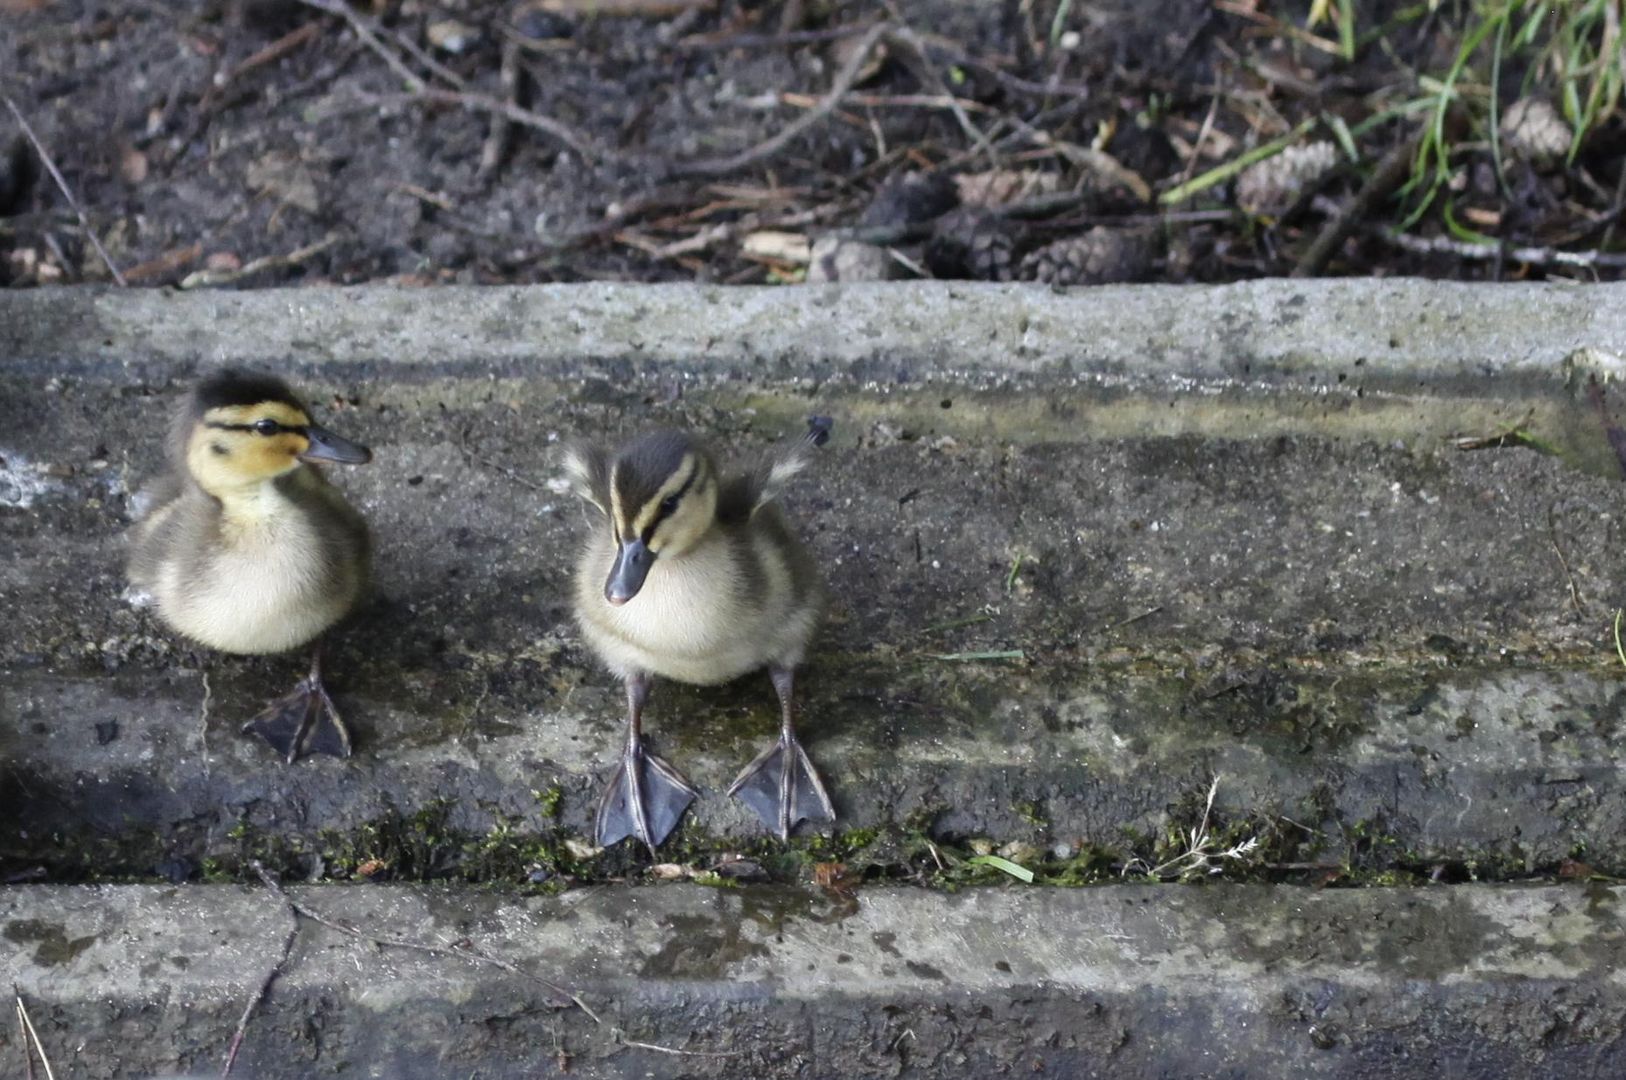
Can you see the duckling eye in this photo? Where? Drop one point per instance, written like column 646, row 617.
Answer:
column 669, row 504
column 267, row 427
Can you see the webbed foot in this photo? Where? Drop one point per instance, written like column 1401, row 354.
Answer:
column 783, row 787
column 303, row 722
column 645, row 798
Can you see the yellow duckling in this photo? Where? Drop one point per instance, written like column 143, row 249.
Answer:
column 698, row 577
column 245, row 546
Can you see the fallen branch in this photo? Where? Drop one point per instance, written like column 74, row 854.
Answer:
column 1390, row 174
column 62, row 186
column 496, row 144
column 167, row 263
column 207, row 278
column 1533, row 256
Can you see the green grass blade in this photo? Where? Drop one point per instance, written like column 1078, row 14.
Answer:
column 1020, row 873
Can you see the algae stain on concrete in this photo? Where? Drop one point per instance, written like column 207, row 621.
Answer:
column 701, row 947
column 51, row 941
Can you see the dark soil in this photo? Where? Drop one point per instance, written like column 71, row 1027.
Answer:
column 210, row 134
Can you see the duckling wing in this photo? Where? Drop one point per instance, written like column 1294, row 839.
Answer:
column 743, row 495
column 154, row 495
column 588, row 469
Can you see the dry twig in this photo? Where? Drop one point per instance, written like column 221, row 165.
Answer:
column 273, row 52
column 31, row 1038
column 259, row 996
column 364, row 30
column 62, row 186
column 844, row 81
column 205, row 278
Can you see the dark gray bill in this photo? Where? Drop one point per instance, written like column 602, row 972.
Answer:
column 632, row 563
column 326, row 446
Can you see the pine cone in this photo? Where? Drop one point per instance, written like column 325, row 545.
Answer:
column 1534, row 131
column 971, row 244
column 1100, row 256
column 1274, row 184
column 997, row 187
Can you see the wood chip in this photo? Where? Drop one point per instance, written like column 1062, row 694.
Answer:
column 793, row 248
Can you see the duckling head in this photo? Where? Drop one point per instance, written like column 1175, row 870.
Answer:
column 240, row 429
column 663, row 501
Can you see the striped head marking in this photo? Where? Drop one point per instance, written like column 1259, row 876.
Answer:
column 242, row 429
column 663, row 500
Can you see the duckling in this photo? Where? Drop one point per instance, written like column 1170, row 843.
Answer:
column 245, row 547
column 697, row 576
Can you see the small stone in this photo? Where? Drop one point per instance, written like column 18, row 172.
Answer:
column 833, row 259
column 1023, row 854
column 449, row 35
column 982, row 846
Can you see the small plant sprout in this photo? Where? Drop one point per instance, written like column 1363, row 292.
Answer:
column 1203, row 854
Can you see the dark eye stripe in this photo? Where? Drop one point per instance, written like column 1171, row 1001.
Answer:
column 677, row 496
column 281, row 427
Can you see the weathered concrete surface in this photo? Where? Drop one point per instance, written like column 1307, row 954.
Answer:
column 1246, row 552
column 1123, row 982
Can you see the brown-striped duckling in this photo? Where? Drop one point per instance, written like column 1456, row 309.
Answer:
column 695, row 575
column 247, row 548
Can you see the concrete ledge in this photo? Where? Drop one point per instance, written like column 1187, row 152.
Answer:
column 1396, row 328
column 1126, row 982
column 1244, row 553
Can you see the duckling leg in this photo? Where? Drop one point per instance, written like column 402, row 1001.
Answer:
column 646, row 796
column 303, row 721
column 781, row 785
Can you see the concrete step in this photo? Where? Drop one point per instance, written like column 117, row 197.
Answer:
column 1123, row 982
column 1247, row 551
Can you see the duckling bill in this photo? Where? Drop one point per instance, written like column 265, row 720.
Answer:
column 696, row 576
column 247, row 548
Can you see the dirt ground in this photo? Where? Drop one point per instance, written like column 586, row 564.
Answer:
column 258, row 142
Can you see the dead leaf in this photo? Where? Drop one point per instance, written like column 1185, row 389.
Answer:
column 372, row 868
column 581, row 849
column 282, row 176
column 222, row 261
column 1575, row 870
